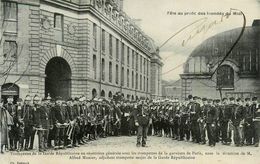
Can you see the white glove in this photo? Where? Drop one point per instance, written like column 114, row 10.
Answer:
column 136, row 124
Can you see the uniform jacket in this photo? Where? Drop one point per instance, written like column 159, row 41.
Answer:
column 42, row 117
column 210, row 113
column 28, row 114
column 142, row 115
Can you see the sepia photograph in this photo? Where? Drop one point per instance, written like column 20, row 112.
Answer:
column 129, row 81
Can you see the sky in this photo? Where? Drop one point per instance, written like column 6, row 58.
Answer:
column 158, row 20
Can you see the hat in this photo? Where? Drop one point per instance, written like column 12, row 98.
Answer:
column 224, row 99
column 247, row 99
column 239, row 99
column 210, row 100
column 19, row 100
column 58, row 98
column 190, row 97
column 36, row 98
column 10, row 97
column 27, row 98
column 217, row 100
column 83, row 98
column 70, row 99
column 254, row 98
column 204, row 99
column 76, row 99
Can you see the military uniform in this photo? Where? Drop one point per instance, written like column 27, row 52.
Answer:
column 14, row 128
column 211, row 121
column 20, row 126
column 28, row 113
column 60, row 118
column 42, row 122
column 256, row 120
column 194, row 116
column 142, row 119
column 224, row 119
column 184, row 123
column 237, row 117
column 249, row 125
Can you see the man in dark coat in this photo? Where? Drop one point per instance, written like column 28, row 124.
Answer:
column 28, row 114
column 142, row 121
column 194, row 116
column 249, row 125
column 211, row 121
column 5, row 123
column 237, row 118
column 10, row 107
column 20, row 124
column 41, row 122
column 224, row 119
column 60, row 121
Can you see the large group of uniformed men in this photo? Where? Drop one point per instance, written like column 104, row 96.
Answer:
column 63, row 124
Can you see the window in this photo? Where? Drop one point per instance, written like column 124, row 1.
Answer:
column 128, row 74
column 147, row 65
column 94, row 66
column 110, row 44
column 128, row 56
column 144, row 65
column 110, row 95
column 58, row 27
column 147, row 85
column 10, row 17
column 225, row 77
column 10, row 10
column 95, row 35
column 94, row 93
column 122, row 76
column 123, row 53
column 136, row 81
column 117, row 49
column 141, row 64
column 10, row 51
column 102, row 94
column 133, row 79
column 141, row 84
column 117, row 74
column 58, row 21
column 136, row 56
column 133, row 59
column 103, row 70
column 110, row 72
column 103, row 40
column 248, row 62
column 144, row 84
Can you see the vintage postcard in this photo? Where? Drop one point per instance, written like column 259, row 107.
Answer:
column 129, row 81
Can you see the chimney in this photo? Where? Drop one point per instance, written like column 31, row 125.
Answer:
column 256, row 22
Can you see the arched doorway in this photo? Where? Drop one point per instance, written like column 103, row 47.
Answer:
column 9, row 89
column 103, row 94
column 110, row 95
column 58, row 78
column 94, row 93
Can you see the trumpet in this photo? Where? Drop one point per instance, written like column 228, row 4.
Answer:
column 70, row 130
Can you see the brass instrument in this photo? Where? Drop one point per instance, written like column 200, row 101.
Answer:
column 70, row 129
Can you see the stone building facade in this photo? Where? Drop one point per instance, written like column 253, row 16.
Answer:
column 237, row 76
column 71, row 48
